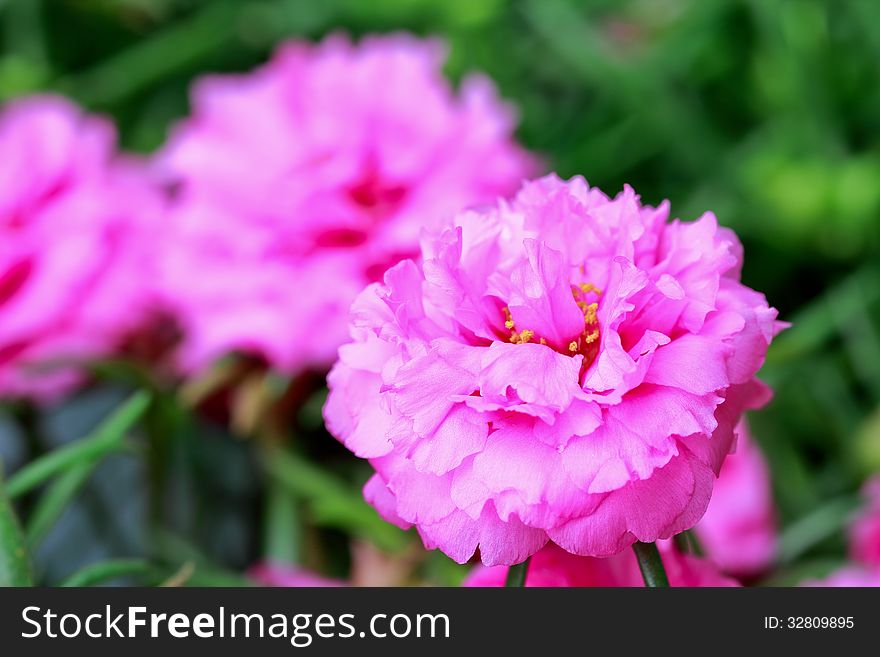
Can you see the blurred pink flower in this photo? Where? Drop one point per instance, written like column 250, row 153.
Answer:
column 302, row 182
column 864, row 538
column 739, row 530
column 565, row 367
column 552, row 566
column 74, row 259
column 267, row 573
column 865, row 530
column 848, row 577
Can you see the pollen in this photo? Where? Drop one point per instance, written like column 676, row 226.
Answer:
column 590, row 313
column 508, row 320
column 586, row 342
column 522, row 337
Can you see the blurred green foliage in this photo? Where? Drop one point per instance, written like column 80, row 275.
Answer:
column 767, row 113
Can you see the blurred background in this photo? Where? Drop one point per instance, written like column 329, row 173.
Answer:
column 767, row 113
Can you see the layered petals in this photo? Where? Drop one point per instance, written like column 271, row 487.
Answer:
column 78, row 223
column 564, row 367
column 739, row 530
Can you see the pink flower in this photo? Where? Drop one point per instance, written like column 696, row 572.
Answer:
column 566, row 367
column 739, row 529
column 302, row 182
column 554, row 567
column 865, row 530
column 848, row 577
column 864, row 538
column 282, row 575
column 74, row 257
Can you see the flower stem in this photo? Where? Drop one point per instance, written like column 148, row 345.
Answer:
column 650, row 564
column 516, row 574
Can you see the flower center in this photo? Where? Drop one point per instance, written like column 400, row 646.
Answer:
column 587, row 342
column 586, row 296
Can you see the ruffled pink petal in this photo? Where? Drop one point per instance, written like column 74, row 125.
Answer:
column 462, row 433
column 739, row 528
column 376, row 492
column 355, row 415
column 540, row 298
column 499, row 542
column 529, row 374
column 668, row 502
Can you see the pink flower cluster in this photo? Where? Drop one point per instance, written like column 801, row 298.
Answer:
column 77, row 224
column 565, row 367
column 301, row 182
column 554, row 567
column 557, row 375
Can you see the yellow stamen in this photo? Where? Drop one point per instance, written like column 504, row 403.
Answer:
column 590, row 313
column 543, row 341
column 509, row 324
column 592, row 337
column 572, row 346
column 526, row 335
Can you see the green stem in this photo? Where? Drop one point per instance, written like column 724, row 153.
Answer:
column 516, row 574
column 650, row 564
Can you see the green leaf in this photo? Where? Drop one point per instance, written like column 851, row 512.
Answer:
column 104, row 571
column 15, row 567
column 331, row 501
column 800, row 536
column 103, row 440
column 56, row 498
column 161, row 55
column 174, row 549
